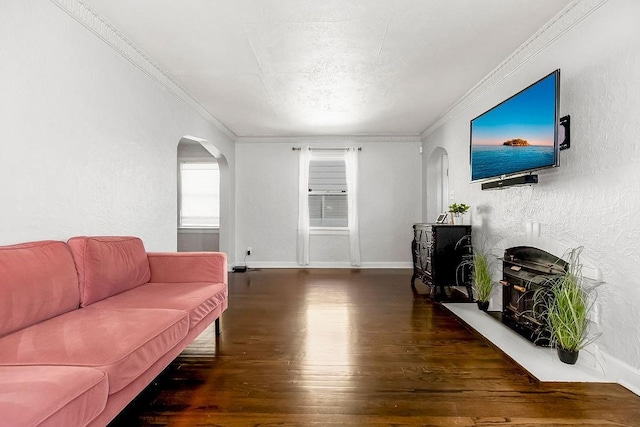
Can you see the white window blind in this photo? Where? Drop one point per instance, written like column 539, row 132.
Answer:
column 328, row 193
column 199, row 195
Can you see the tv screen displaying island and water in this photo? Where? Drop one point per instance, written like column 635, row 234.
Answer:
column 519, row 135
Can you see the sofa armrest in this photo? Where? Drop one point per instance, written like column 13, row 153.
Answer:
column 184, row 267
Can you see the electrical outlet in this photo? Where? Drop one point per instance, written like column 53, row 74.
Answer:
column 249, row 250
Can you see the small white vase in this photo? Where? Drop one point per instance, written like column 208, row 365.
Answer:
column 459, row 219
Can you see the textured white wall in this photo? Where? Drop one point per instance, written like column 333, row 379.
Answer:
column 87, row 140
column 267, row 205
column 390, row 201
column 267, row 202
column 593, row 199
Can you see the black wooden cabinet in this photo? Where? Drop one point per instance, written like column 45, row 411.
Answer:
column 438, row 250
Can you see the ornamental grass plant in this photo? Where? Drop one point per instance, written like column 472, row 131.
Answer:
column 481, row 276
column 479, row 262
column 565, row 302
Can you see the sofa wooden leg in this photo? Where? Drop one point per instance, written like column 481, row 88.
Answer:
column 217, row 326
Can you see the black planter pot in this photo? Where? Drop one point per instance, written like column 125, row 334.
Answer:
column 483, row 305
column 567, row 356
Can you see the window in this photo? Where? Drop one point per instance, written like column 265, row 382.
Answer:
column 328, row 198
column 328, row 193
column 199, row 195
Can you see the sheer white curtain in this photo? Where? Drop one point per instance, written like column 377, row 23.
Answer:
column 352, row 202
column 303, row 207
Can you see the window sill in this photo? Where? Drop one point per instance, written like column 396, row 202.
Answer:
column 328, row 231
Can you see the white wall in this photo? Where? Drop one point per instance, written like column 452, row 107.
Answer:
column 593, row 199
column 87, row 140
column 390, row 203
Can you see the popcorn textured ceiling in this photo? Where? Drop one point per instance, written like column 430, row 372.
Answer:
column 334, row 67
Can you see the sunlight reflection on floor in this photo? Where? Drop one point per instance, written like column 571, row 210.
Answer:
column 327, row 341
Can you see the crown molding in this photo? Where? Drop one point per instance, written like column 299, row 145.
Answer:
column 328, row 138
column 100, row 27
column 564, row 21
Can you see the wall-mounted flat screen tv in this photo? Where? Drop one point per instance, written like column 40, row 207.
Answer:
column 519, row 135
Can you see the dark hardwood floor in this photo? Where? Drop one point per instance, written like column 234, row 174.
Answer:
column 355, row 347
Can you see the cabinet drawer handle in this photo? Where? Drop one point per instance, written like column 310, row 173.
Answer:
column 504, row 283
column 519, row 288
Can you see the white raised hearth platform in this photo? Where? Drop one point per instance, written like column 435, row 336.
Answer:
column 541, row 362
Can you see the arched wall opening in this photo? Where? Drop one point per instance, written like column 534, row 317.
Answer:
column 437, row 184
column 203, row 148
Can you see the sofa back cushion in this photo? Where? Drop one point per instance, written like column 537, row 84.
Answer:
column 108, row 266
column 38, row 281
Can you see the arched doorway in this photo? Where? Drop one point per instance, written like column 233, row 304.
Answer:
column 200, row 159
column 437, row 177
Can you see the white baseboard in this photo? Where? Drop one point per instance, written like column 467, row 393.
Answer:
column 399, row 265
column 344, row 265
column 619, row 372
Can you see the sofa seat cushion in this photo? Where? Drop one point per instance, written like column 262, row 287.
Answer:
column 108, row 265
column 198, row 299
column 51, row 395
column 121, row 342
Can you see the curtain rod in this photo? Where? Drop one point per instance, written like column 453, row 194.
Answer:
column 324, row 149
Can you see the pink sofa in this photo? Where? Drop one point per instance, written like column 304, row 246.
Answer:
column 86, row 325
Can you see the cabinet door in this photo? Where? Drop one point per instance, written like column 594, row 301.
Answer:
column 448, row 250
column 424, row 249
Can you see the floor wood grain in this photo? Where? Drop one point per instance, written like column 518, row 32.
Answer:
column 356, row 347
